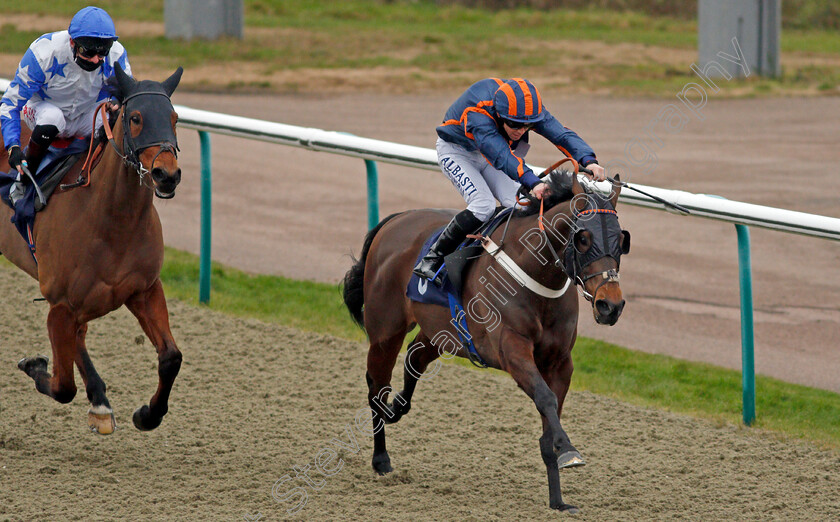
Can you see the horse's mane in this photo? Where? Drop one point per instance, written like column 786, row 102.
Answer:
column 560, row 184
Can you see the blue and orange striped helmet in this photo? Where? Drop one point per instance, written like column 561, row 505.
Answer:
column 518, row 100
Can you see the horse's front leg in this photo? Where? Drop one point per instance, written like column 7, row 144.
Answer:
column 517, row 358
column 100, row 415
column 61, row 386
column 150, row 309
column 558, row 379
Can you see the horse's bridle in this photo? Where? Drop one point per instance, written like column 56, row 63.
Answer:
column 577, row 266
column 131, row 149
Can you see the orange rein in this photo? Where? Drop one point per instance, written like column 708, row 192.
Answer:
column 91, row 155
column 546, row 171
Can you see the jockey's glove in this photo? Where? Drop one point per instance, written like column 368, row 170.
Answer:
column 16, row 157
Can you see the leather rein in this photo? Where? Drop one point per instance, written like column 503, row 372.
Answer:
column 131, row 156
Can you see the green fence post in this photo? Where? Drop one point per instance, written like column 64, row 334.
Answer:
column 373, row 193
column 206, row 218
column 747, row 336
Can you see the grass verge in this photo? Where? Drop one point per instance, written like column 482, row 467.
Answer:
column 425, row 46
column 648, row 380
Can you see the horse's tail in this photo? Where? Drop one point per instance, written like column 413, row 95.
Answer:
column 354, row 280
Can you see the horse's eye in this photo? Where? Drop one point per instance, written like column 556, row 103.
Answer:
column 135, row 119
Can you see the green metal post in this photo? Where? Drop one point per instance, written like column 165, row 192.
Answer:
column 373, row 193
column 747, row 337
column 206, row 215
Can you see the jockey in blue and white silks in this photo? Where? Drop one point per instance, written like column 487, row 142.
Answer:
column 58, row 84
column 481, row 148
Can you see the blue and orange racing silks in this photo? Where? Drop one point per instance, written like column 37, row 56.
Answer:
column 471, row 122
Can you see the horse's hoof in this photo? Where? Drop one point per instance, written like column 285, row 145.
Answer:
column 392, row 414
column 567, row 508
column 570, row 459
column 30, row 365
column 101, row 420
column 382, row 465
column 143, row 419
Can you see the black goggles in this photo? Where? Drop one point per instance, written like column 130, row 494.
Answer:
column 89, row 49
column 517, row 124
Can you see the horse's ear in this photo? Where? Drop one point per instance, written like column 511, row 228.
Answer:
column 125, row 82
column 579, row 198
column 577, row 188
column 616, row 190
column 171, row 83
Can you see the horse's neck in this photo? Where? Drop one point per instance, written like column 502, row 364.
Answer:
column 120, row 190
column 525, row 244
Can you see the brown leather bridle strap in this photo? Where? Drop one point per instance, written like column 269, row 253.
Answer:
column 92, row 155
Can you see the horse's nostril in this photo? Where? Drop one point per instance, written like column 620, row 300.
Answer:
column 163, row 176
column 604, row 308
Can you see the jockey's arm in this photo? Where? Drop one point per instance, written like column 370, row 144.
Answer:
column 496, row 150
column 571, row 144
column 28, row 79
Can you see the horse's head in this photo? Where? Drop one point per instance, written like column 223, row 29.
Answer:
column 593, row 255
column 150, row 144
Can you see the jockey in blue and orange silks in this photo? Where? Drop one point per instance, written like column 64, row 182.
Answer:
column 57, row 86
column 481, row 145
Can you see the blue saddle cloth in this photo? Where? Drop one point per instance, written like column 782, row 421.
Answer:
column 423, row 291
column 24, row 216
column 448, row 294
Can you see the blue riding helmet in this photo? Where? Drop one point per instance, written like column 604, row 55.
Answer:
column 92, row 22
column 518, row 100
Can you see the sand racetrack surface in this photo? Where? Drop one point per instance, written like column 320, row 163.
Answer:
column 253, row 400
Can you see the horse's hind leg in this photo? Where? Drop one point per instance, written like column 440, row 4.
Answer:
column 380, row 364
column 100, row 415
column 60, row 385
column 150, row 309
column 420, row 354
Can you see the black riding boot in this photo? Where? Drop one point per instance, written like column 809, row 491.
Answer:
column 456, row 231
column 40, row 141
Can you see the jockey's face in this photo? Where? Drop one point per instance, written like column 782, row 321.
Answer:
column 515, row 134
column 90, row 56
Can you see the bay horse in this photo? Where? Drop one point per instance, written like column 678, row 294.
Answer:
column 515, row 329
column 100, row 246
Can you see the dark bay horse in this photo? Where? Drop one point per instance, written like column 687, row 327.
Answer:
column 526, row 332
column 100, row 246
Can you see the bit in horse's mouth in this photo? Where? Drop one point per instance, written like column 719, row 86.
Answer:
column 164, row 195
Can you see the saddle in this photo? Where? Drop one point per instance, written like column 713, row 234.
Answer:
column 59, row 165
column 454, row 265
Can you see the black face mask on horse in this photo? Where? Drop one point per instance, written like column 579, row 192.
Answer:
column 143, row 110
column 605, row 238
